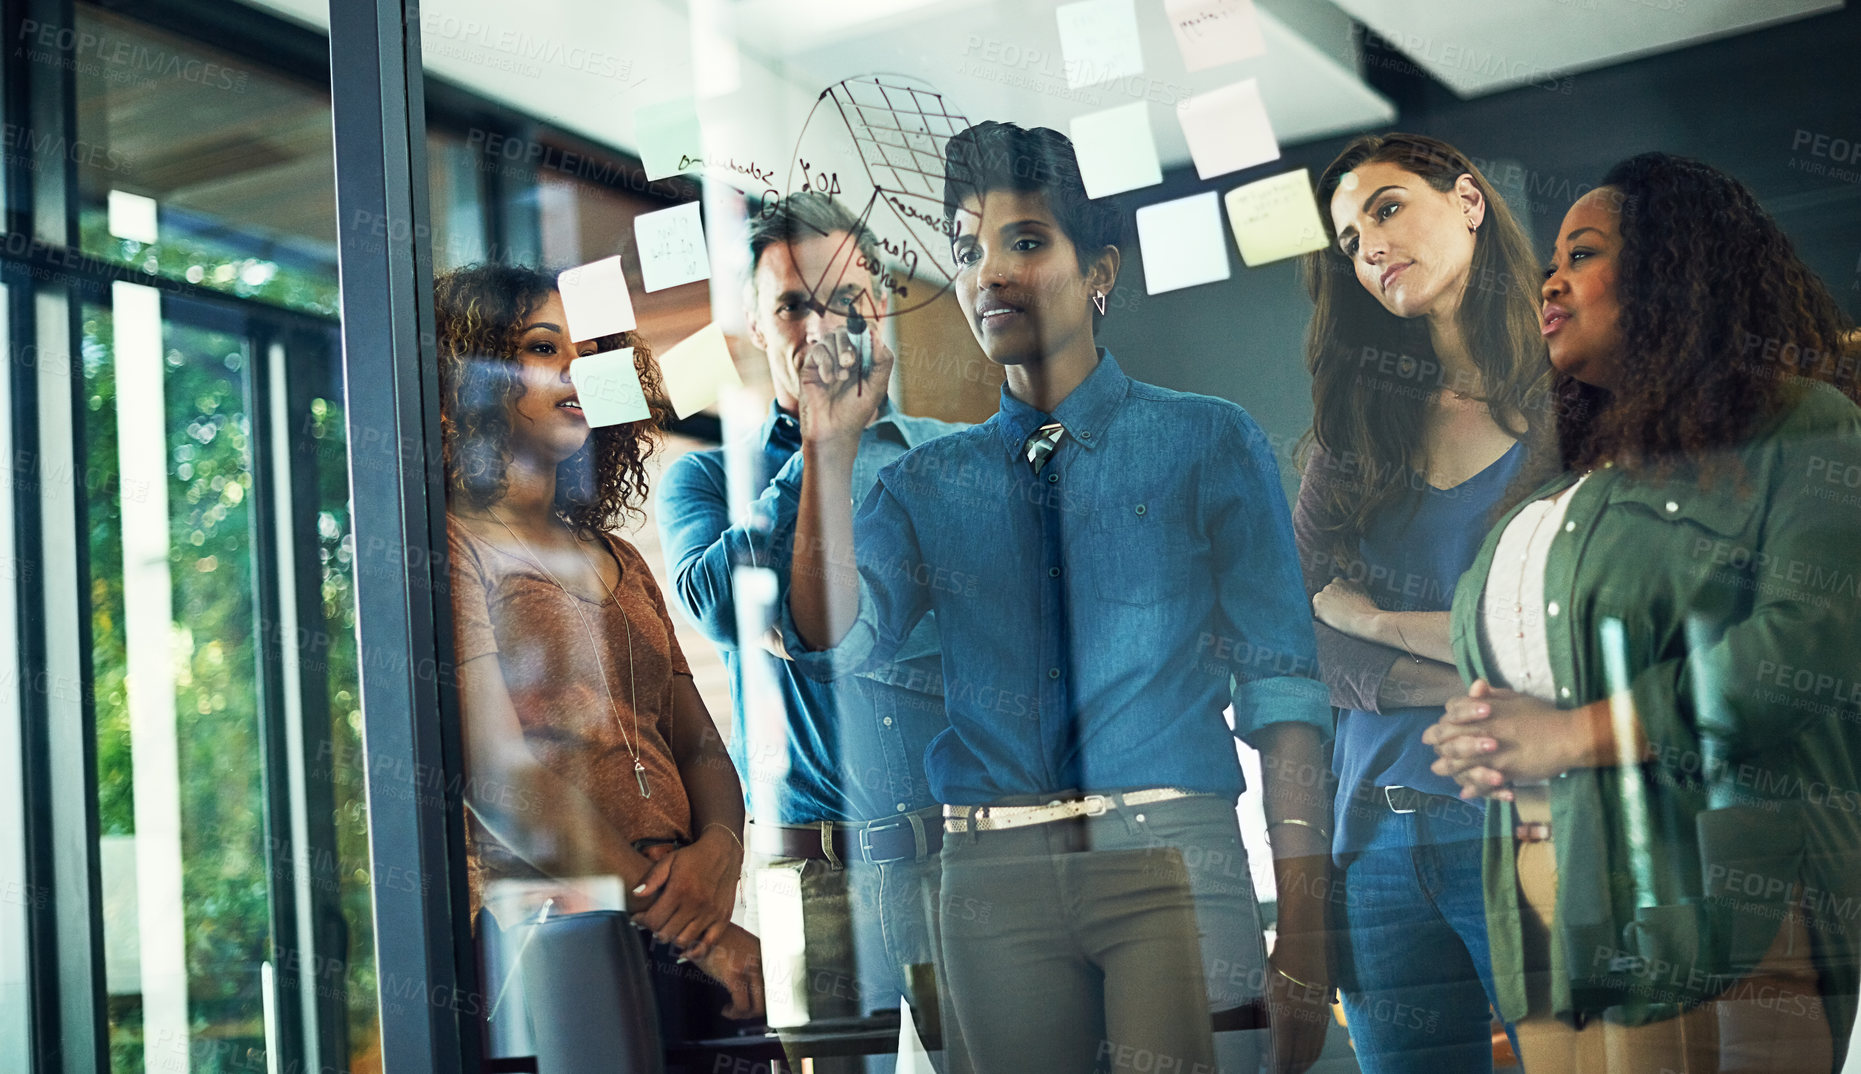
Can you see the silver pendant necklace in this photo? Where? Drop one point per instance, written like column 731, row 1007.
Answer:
column 639, row 767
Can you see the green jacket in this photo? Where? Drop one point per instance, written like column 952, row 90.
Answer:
column 1732, row 615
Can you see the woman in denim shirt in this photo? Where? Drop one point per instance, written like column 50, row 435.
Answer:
column 1674, row 876
column 1426, row 368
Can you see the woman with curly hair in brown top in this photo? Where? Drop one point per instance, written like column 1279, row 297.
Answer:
column 588, row 750
column 1661, row 644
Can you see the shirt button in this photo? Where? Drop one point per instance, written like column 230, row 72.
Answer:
column 1085, row 436
column 1140, row 509
column 1053, row 572
column 1672, row 507
column 1053, row 673
column 888, row 721
column 1570, row 527
column 901, row 807
column 1053, row 479
column 1551, row 609
column 1563, row 691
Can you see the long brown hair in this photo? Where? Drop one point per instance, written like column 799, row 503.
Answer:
column 1362, row 418
column 1719, row 315
column 478, row 313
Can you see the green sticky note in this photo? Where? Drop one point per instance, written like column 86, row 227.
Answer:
column 1275, row 218
column 668, row 137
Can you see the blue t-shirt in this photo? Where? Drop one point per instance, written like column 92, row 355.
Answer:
column 1412, row 554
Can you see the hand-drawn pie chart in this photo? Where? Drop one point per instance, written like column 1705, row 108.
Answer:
column 877, row 144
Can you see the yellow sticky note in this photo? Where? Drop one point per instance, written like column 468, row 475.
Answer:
column 696, row 370
column 1275, row 218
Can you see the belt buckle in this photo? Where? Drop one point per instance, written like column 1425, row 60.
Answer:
column 1097, row 805
column 865, row 840
column 1389, row 799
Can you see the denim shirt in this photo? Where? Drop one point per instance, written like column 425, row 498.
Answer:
column 1096, row 619
column 855, row 749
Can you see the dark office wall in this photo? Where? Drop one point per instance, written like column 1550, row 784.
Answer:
column 1753, row 105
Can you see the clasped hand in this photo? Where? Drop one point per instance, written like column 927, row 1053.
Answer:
column 687, row 896
column 1493, row 738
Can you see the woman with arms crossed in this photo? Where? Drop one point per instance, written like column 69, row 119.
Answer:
column 1427, row 373
column 588, row 750
column 1678, row 824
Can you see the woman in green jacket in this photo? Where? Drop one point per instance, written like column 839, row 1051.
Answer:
column 1662, row 645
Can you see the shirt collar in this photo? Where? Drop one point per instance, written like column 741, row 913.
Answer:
column 1085, row 413
column 781, row 429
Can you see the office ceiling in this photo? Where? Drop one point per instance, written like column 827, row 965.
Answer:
column 1477, row 47
column 757, row 66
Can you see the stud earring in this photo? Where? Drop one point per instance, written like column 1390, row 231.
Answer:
column 1098, row 299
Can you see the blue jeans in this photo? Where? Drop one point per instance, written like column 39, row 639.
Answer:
column 1413, row 961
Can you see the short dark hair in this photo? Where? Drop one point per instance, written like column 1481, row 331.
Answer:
column 808, row 215
column 1002, row 156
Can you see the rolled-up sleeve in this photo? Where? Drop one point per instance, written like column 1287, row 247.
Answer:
column 1263, row 605
column 890, row 602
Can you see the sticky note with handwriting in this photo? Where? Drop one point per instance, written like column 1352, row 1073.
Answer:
column 668, row 137
column 1116, row 150
column 1228, row 129
column 608, row 387
column 1213, row 32
column 1182, row 243
column 696, row 370
column 1098, row 40
column 1275, row 218
column 671, row 243
column 596, row 299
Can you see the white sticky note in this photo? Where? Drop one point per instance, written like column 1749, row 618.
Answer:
column 608, row 387
column 1275, row 218
column 1182, row 243
column 668, row 137
column 1098, row 39
column 132, row 216
column 1116, row 150
column 596, row 299
column 696, row 370
column 1228, row 129
column 671, row 243
column 1213, row 32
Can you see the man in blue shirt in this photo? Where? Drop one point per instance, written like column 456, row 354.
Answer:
column 841, row 814
column 1111, row 565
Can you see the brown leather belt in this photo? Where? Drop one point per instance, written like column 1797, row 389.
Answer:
column 908, row 837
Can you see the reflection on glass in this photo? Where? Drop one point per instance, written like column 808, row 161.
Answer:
column 200, row 165
column 186, row 892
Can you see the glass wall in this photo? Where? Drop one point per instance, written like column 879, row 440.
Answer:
column 1107, row 634
column 1140, row 571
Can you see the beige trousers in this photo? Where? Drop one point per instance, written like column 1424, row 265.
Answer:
column 1771, row 1021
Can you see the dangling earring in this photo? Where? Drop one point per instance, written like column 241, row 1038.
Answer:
column 1098, row 299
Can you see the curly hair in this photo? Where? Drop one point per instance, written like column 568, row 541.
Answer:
column 1361, row 416
column 479, row 312
column 1719, row 315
